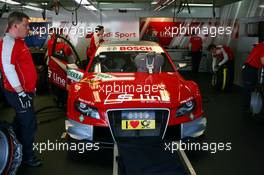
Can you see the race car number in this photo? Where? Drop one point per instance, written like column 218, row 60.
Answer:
column 138, row 124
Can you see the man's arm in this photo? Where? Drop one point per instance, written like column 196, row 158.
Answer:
column 8, row 67
column 225, row 57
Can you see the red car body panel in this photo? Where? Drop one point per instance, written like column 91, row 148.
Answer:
column 57, row 72
column 178, row 90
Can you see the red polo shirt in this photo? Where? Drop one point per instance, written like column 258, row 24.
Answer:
column 255, row 55
column 196, row 42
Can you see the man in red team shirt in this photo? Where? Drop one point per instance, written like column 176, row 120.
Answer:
column 195, row 45
column 96, row 40
column 60, row 47
column 222, row 56
column 253, row 63
column 19, row 83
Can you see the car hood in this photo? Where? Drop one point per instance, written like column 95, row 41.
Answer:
column 133, row 90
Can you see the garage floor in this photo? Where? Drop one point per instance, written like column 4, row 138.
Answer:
column 226, row 123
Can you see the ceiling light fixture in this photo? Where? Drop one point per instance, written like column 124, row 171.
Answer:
column 10, row 2
column 32, row 8
column 90, row 7
column 154, row 2
column 163, row 5
column 199, row 5
column 83, row 2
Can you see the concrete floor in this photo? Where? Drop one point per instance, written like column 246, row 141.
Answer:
column 226, row 123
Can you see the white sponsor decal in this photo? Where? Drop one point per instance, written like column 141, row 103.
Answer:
column 74, row 75
column 156, row 49
column 56, row 78
column 120, row 97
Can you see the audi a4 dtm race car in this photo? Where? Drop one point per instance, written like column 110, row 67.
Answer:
column 130, row 90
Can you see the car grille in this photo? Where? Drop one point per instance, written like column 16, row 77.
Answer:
column 102, row 134
column 115, row 119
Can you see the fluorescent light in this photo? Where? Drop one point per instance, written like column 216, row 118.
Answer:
column 90, row 7
column 84, row 2
column 154, row 2
column 261, row 6
column 132, row 8
column 32, row 4
column 105, row 3
column 200, row 5
column 170, row 2
column 106, row 9
column 10, row 2
column 164, row 3
column 32, row 8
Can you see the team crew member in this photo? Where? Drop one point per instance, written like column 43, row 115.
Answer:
column 222, row 55
column 195, row 45
column 96, row 40
column 19, row 83
column 253, row 63
column 60, row 47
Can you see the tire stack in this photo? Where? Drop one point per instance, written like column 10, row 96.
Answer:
column 10, row 150
column 221, row 79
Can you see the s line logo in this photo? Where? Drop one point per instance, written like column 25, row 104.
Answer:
column 55, row 78
column 49, row 73
column 118, row 97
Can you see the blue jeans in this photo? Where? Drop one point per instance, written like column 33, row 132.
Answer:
column 24, row 124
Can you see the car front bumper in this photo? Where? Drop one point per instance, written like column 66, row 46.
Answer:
column 79, row 131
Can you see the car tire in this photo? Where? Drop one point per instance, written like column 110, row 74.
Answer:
column 11, row 150
column 257, row 102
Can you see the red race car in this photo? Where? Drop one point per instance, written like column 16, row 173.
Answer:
column 132, row 90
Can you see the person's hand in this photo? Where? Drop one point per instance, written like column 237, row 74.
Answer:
column 216, row 68
column 25, row 100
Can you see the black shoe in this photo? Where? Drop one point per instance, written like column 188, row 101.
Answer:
column 34, row 162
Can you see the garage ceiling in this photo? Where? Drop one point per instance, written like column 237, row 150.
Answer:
column 123, row 4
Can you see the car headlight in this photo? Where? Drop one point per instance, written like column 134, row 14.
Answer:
column 87, row 110
column 185, row 108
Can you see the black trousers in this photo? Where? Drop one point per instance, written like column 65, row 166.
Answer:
column 24, row 124
column 230, row 79
column 196, row 59
column 250, row 80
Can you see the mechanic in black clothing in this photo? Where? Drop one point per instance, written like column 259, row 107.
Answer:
column 196, row 46
column 253, row 63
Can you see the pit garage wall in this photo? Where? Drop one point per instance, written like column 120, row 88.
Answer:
column 115, row 22
column 242, row 12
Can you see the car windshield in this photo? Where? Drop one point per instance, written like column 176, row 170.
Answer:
column 131, row 62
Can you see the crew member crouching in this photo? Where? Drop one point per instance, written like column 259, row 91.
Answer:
column 222, row 66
